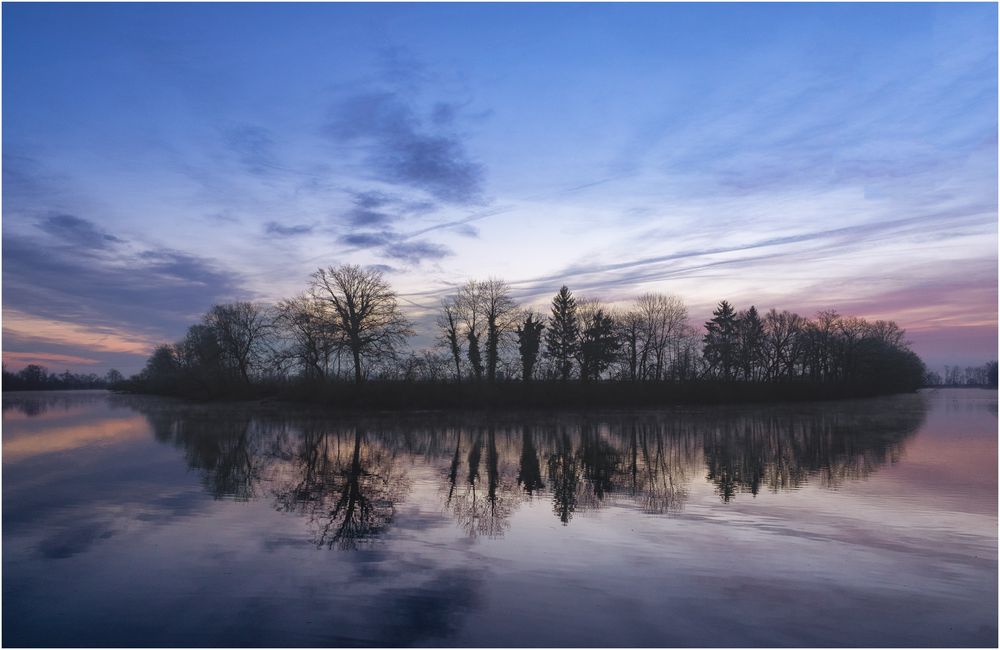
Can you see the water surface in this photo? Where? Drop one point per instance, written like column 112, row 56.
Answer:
column 137, row 521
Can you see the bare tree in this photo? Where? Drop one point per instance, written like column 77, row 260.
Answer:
column 887, row 332
column 480, row 308
column 242, row 329
column 628, row 333
column 359, row 305
column 661, row 324
column 307, row 341
column 469, row 307
column 783, row 343
column 449, row 329
column 501, row 314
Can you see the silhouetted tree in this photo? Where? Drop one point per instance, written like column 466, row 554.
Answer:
column 629, row 329
column 661, row 324
column 783, row 343
column 241, row 330
column 308, row 341
column 33, row 374
column 820, row 346
column 529, row 338
column 362, row 309
column 199, row 358
column 887, row 332
column 721, row 340
column 449, row 325
column 500, row 312
column 469, row 305
column 562, row 338
column 750, row 344
column 161, row 370
column 598, row 345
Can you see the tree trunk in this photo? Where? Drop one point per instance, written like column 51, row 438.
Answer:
column 357, row 364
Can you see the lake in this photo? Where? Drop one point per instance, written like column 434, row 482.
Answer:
column 139, row 521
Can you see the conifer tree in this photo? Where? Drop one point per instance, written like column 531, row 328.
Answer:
column 562, row 339
column 721, row 339
column 750, row 344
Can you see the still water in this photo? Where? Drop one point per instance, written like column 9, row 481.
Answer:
column 142, row 521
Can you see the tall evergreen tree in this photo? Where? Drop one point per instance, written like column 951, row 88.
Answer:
column 750, row 335
column 720, row 341
column 562, row 339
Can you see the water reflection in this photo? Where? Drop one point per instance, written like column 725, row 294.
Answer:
column 671, row 528
column 783, row 451
column 347, row 475
column 482, row 495
column 347, row 485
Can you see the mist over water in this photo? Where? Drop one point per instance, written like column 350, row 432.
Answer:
column 147, row 521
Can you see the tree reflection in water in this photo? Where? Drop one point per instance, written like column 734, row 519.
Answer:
column 481, row 510
column 347, row 486
column 346, row 475
column 228, row 447
column 564, row 476
column 529, row 471
column 783, row 451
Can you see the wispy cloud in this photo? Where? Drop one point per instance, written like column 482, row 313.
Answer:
column 275, row 228
column 94, row 280
column 77, row 231
column 403, row 146
column 367, row 239
column 414, row 252
column 374, row 209
column 396, row 246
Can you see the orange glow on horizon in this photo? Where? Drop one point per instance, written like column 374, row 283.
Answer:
column 97, row 339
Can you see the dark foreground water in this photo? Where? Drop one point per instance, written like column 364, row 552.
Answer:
column 143, row 521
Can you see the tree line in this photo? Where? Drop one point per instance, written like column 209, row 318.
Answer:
column 347, row 327
column 984, row 375
column 36, row 377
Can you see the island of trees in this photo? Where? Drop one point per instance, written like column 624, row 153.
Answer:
column 343, row 341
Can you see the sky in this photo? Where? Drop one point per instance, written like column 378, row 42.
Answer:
column 161, row 158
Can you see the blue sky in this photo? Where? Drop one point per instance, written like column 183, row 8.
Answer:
column 160, row 158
